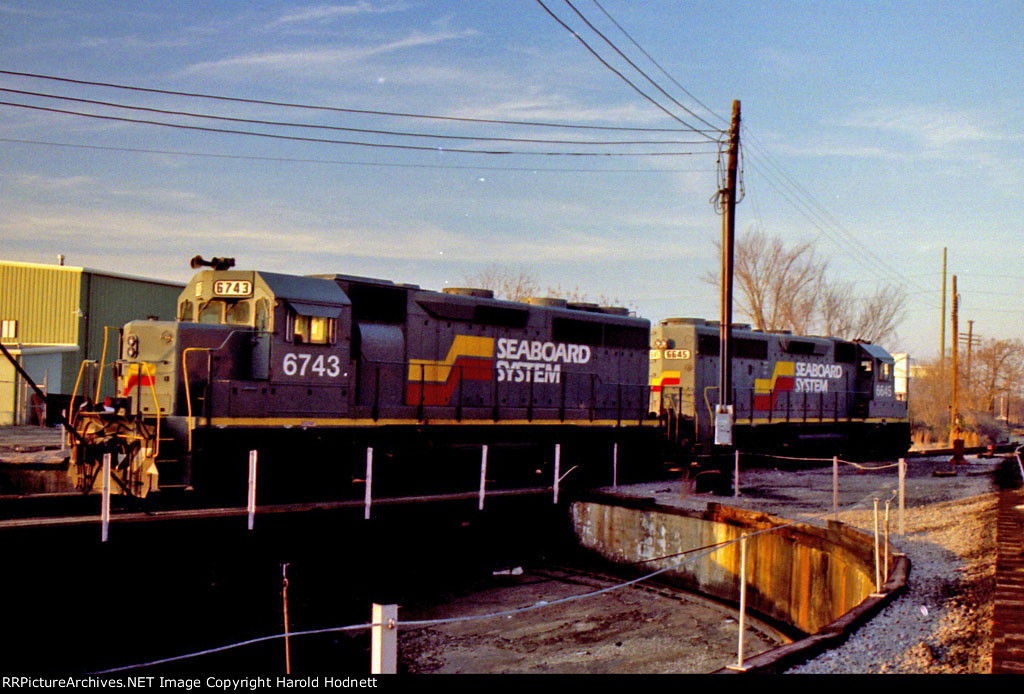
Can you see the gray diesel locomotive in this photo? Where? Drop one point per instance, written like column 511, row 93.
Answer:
column 791, row 394
column 311, row 371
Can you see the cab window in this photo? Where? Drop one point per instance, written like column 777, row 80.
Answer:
column 312, row 330
column 262, row 316
column 884, row 371
column 238, row 313
column 211, row 312
column 185, row 311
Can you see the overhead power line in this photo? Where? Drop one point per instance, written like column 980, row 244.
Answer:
column 297, row 160
column 717, row 132
column 320, row 140
column 658, row 65
column 637, row 68
column 338, row 109
column 317, row 126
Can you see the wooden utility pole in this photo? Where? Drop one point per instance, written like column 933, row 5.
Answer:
column 724, row 412
column 942, row 339
column 970, row 343
column 954, row 413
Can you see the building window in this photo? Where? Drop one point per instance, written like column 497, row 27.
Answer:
column 9, row 330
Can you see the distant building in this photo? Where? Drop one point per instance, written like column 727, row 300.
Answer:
column 52, row 317
column 901, row 371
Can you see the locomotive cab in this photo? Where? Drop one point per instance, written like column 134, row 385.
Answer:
column 282, row 335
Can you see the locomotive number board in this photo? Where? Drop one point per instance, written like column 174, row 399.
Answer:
column 657, row 354
column 232, row 288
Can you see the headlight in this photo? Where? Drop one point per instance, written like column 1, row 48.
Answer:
column 132, row 350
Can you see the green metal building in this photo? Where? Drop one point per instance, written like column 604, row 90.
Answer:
column 52, row 317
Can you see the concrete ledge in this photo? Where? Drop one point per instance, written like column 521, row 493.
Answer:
column 819, row 581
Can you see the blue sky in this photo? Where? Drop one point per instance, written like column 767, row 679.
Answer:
column 885, row 131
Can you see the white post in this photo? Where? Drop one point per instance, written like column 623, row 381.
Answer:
column 483, row 476
column 369, row 484
column 885, row 543
column 903, row 484
column 46, row 390
column 105, row 503
column 835, row 488
column 743, row 598
column 384, row 640
column 878, row 568
column 615, row 465
column 252, row 488
column 736, row 477
column 558, row 468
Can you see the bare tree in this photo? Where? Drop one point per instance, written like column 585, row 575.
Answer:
column 998, row 368
column 506, row 283
column 787, row 288
column 520, row 285
column 776, row 284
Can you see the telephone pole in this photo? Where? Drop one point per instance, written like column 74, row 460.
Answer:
column 942, row 339
column 955, row 405
column 727, row 199
column 970, row 344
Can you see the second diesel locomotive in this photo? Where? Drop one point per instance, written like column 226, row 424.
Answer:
column 791, row 394
column 313, row 370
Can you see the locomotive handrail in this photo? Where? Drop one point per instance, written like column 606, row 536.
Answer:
column 151, row 372
column 73, row 418
column 188, row 394
column 408, row 368
column 787, row 411
column 209, row 374
column 103, row 361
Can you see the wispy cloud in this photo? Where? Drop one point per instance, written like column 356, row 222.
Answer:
column 48, row 183
column 131, row 42
column 325, row 13
column 304, row 59
column 935, row 126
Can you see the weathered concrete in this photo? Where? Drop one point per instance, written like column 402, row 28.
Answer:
column 817, row 580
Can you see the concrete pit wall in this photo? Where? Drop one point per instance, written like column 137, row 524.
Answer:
column 818, row 580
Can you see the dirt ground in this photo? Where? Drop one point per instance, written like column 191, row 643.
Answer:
column 627, row 630
column 635, row 631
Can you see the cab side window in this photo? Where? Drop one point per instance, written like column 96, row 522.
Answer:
column 262, row 316
column 185, row 312
column 312, row 330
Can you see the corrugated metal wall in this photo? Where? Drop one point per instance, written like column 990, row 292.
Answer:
column 72, row 305
column 43, row 300
column 112, row 302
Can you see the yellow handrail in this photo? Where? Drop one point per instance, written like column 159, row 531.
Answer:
column 184, row 371
column 103, row 362
column 156, row 404
column 188, row 395
column 71, row 407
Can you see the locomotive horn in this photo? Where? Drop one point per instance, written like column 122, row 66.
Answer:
column 215, row 263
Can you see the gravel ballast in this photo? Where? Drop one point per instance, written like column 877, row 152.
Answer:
column 942, row 622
